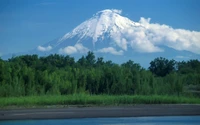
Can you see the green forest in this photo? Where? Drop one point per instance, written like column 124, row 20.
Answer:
column 31, row 75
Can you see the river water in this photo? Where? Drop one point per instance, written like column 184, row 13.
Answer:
column 164, row 120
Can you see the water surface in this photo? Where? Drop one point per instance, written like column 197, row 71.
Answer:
column 166, row 120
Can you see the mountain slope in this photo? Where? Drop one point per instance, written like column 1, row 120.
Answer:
column 107, row 31
column 113, row 36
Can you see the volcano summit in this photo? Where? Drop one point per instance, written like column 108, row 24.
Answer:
column 113, row 36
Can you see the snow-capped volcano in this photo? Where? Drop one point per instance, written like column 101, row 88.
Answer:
column 104, row 22
column 108, row 33
column 105, row 31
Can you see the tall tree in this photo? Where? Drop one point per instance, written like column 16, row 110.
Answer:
column 90, row 59
column 162, row 66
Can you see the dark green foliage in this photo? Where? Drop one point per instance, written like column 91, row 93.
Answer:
column 161, row 66
column 30, row 75
column 192, row 66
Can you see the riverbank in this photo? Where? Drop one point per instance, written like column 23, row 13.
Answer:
column 97, row 112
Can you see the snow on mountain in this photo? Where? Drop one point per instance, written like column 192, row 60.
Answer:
column 109, row 32
column 107, row 25
column 106, row 21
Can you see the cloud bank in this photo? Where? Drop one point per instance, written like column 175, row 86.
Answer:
column 147, row 38
column 44, row 49
column 179, row 39
column 74, row 49
column 110, row 50
column 142, row 36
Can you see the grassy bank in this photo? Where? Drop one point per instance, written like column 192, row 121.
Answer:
column 81, row 99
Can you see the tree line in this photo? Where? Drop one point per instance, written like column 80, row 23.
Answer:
column 60, row 75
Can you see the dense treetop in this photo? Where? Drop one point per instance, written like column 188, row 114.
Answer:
column 57, row 74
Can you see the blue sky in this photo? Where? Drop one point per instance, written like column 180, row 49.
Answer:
column 25, row 24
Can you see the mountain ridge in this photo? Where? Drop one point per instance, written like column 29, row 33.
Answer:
column 109, row 33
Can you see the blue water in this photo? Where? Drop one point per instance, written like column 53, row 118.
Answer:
column 167, row 120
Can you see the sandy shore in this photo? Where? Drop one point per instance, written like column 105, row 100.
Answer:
column 95, row 112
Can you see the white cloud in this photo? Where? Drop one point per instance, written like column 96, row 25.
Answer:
column 81, row 48
column 119, row 40
column 68, row 50
column 111, row 50
column 74, row 49
column 135, row 36
column 1, row 54
column 179, row 39
column 44, row 49
column 146, row 37
column 141, row 43
column 142, row 36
